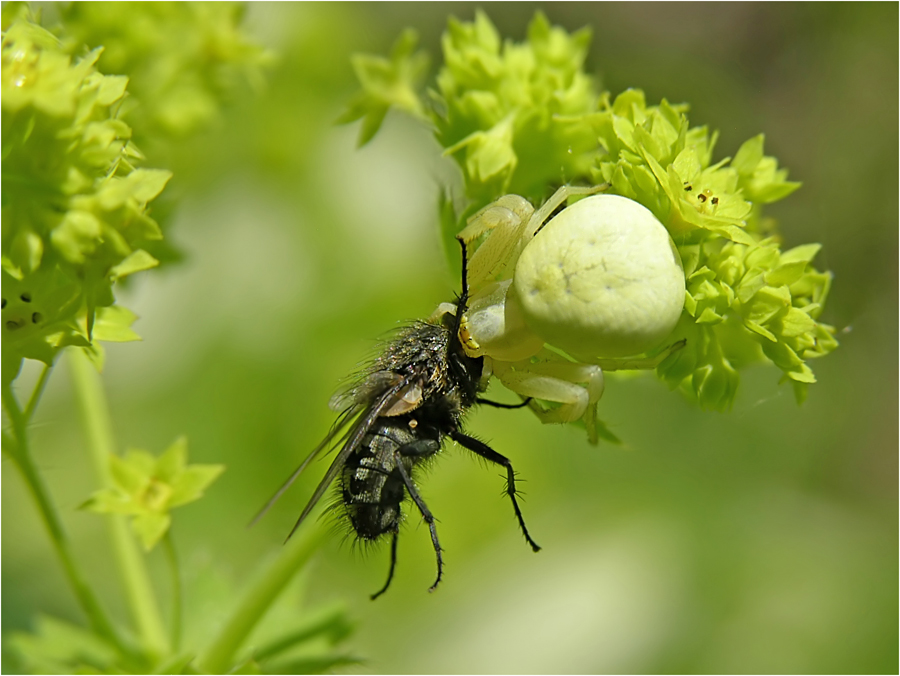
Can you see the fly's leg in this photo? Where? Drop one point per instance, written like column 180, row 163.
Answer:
column 422, row 447
column 387, row 584
column 497, row 404
column 488, row 453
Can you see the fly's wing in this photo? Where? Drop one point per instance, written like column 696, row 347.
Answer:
column 363, row 391
column 354, row 438
column 339, row 425
column 353, row 402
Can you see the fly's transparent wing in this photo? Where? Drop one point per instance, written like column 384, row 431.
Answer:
column 352, row 402
column 339, row 425
column 354, row 439
column 363, row 391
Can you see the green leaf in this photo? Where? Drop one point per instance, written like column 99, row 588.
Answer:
column 189, row 486
column 177, row 664
column 787, row 274
column 112, row 88
column 58, row 647
column 603, row 432
column 148, row 183
column 173, row 461
column 804, row 252
column 150, row 528
column 141, row 185
column 96, row 354
column 312, row 665
column 709, row 316
column 797, row 323
column 330, row 623
column 250, row 666
column 749, row 155
column 489, row 154
column 109, row 501
column 133, row 472
column 138, row 261
column 113, row 324
column 387, row 83
column 76, row 236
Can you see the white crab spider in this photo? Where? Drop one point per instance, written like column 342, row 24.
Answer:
column 600, row 282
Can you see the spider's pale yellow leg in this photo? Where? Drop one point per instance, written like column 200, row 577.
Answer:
column 638, row 364
column 510, row 223
column 557, row 381
column 437, row 316
column 556, row 199
column 503, row 221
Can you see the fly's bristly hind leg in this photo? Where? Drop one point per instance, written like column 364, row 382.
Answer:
column 482, row 449
column 426, row 515
column 390, row 577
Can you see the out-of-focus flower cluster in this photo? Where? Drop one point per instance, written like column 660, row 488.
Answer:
column 75, row 202
column 76, row 215
column 525, row 118
column 183, row 59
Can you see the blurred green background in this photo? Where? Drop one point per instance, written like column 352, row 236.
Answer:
column 763, row 540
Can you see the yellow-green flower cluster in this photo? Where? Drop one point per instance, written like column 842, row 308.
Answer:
column 183, row 59
column 746, row 300
column 75, row 202
column 505, row 110
column 525, row 118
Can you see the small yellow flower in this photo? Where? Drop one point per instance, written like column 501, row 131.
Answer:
column 148, row 487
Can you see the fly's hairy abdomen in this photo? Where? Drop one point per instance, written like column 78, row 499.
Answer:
column 372, row 483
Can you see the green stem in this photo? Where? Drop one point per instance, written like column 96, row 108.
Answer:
column 97, row 424
column 175, row 572
column 220, row 653
column 36, row 393
column 21, row 456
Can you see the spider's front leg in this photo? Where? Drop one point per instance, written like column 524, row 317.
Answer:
column 636, row 363
column 557, row 199
column 510, row 222
column 504, row 221
column 556, row 381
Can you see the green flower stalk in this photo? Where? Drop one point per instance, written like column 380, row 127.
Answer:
column 525, row 118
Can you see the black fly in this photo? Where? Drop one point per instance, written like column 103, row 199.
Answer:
column 397, row 415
